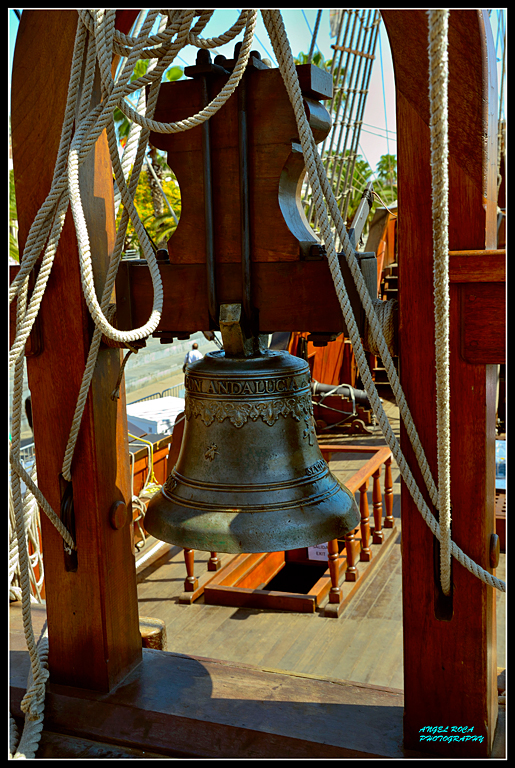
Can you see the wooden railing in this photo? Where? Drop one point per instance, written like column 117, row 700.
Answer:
column 357, row 548
column 243, row 583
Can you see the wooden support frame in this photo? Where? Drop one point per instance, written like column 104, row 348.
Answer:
column 93, row 612
column 95, row 618
column 449, row 649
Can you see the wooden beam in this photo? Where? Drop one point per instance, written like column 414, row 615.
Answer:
column 184, row 706
column 351, row 50
column 477, row 266
column 92, row 613
column 449, row 645
column 282, row 293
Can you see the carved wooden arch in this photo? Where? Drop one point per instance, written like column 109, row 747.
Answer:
column 450, row 668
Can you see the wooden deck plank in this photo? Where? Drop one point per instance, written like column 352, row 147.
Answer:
column 205, row 622
column 331, row 635
column 361, row 608
column 388, row 597
column 341, row 650
column 385, row 669
column 226, row 631
column 288, row 629
column 312, row 634
column 379, row 635
column 238, row 636
column 361, row 655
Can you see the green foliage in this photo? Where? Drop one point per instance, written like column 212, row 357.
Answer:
column 13, row 220
column 385, row 176
column 160, row 228
column 318, row 59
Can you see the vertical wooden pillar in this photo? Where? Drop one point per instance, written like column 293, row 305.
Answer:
column 449, row 645
column 92, row 613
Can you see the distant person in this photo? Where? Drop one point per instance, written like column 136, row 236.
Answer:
column 192, row 355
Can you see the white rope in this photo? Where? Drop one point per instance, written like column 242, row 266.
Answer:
column 81, row 128
column 438, row 86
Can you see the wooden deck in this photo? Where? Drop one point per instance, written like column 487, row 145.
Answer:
column 363, row 645
column 361, row 649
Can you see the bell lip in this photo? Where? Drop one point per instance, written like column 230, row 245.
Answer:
column 268, row 531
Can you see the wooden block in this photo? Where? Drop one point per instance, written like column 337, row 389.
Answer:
column 477, row 266
column 259, row 598
column 153, row 633
column 264, row 571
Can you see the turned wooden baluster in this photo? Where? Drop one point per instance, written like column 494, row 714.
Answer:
column 389, row 520
column 352, row 573
column 378, row 508
column 190, row 582
column 214, row 563
column 366, row 553
column 335, row 594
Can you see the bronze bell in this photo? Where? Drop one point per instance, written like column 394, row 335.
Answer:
column 250, row 476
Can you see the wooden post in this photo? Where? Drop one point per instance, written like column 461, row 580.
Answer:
column 352, row 573
column 366, row 553
column 377, row 502
column 214, row 563
column 335, row 593
column 92, row 613
column 449, row 646
column 190, row 582
column 389, row 520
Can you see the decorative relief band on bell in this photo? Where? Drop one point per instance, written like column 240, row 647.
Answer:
column 210, row 506
column 239, row 413
column 276, row 386
column 313, row 474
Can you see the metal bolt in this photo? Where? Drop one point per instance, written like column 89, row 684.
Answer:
column 118, row 515
column 495, row 549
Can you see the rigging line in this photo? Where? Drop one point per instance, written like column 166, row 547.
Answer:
column 315, row 33
column 379, row 128
column 379, row 135
column 384, row 103
column 366, row 158
column 307, row 23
